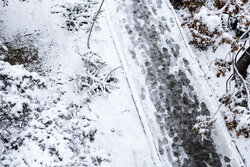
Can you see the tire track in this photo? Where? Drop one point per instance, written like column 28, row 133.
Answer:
column 173, row 95
column 155, row 156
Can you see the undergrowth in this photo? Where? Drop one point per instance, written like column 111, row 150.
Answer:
column 214, row 23
column 78, row 16
column 211, row 24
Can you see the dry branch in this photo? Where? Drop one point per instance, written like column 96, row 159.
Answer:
column 94, row 20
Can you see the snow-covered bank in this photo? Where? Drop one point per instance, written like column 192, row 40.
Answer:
column 67, row 131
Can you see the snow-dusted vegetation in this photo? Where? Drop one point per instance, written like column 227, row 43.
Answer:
column 212, row 24
column 38, row 126
column 77, row 16
column 219, row 34
column 35, row 121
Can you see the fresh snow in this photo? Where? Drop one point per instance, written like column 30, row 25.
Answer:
column 211, row 20
column 120, row 138
column 122, row 122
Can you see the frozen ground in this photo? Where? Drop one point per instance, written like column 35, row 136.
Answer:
column 120, row 138
column 147, row 120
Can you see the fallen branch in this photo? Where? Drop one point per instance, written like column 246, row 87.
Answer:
column 243, row 81
column 228, row 82
column 243, row 63
column 112, row 72
column 92, row 26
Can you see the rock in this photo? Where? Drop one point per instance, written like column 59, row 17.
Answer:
column 226, row 159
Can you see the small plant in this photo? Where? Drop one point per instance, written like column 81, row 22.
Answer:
column 78, row 16
column 203, row 125
column 94, row 81
column 223, row 66
column 236, row 101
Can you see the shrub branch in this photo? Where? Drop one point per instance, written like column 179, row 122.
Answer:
column 94, row 20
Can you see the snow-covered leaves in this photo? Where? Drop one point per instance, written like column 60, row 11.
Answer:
column 215, row 23
column 60, row 136
column 237, row 114
column 211, row 24
column 41, row 125
column 203, row 125
column 37, row 124
column 40, row 129
column 223, row 66
column 17, row 100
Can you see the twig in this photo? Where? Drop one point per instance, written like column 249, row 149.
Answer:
column 94, row 20
column 244, row 34
column 89, row 107
column 228, row 80
column 112, row 72
column 227, row 55
column 243, row 160
column 216, row 111
column 218, row 12
column 3, row 139
column 239, row 51
column 243, row 81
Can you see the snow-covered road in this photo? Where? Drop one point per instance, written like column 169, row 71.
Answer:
column 165, row 69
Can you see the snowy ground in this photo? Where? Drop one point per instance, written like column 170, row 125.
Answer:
column 147, row 118
column 120, row 139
